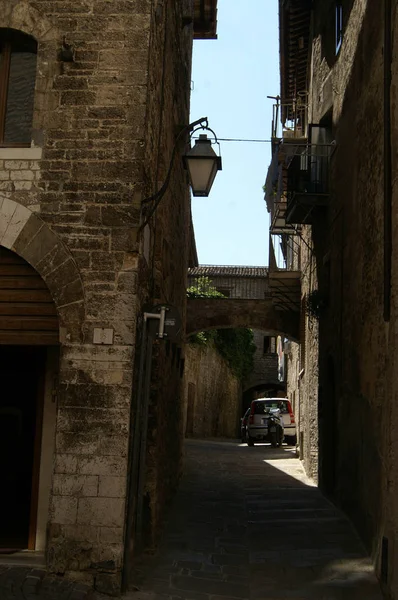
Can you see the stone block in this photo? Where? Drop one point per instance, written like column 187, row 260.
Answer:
column 15, row 165
column 99, row 421
column 68, row 294
column 65, row 463
column 111, row 535
column 112, row 487
column 112, row 553
column 104, row 512
column 63, row 510
column 23, row 186
column 108, row 583
column 114, row 445
column 13, row 223
column 78, row 98
column 77, row 443
column 24, row 175
column 75, row 485
column 40, row 244
column 81, row 533
column 102, row 465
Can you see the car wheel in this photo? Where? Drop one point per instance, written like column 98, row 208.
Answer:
column 291, row 440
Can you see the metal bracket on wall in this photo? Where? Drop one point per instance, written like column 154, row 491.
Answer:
column 161, row 317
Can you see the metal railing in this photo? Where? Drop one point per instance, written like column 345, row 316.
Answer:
column 289, row 119
column 285, row 252
column 309, row 169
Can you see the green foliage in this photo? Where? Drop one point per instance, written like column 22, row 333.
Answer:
column 202, row 338
column 236, row 346
column 203, row 288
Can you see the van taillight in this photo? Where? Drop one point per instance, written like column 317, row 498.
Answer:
column 292, row 418
column 251, row 419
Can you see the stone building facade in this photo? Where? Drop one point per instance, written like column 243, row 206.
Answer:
column 336, row 157
column 93, row 93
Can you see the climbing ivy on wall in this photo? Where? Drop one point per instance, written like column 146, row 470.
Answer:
column 236, row 346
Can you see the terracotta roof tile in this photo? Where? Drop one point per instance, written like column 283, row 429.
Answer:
column 227, row 271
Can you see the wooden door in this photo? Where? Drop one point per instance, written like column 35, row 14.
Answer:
column 27, row 311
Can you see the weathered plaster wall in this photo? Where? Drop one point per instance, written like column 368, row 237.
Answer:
column 212, row 394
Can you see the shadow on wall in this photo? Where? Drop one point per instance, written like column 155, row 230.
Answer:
column 212, row 395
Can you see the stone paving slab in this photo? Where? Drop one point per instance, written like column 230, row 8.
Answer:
column 247, row 524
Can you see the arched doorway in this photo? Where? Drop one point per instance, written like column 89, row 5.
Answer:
column 28, row 339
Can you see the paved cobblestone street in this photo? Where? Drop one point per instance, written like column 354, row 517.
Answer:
column 248, row 524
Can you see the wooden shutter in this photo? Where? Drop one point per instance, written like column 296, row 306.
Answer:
column 27, row 312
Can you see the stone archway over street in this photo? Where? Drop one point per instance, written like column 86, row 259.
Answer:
column 222, row 313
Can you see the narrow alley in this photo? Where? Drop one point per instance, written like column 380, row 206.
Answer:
column 248, row 523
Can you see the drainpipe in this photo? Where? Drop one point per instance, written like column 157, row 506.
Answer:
column 387, row 161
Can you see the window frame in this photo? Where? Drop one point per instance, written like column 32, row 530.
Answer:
column 5, row 66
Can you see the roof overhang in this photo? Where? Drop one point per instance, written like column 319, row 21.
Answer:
column 205, row 20
column 294, row 32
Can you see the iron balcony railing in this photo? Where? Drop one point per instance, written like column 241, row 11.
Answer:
column 289, row 119
column 308, row 181
column 309, row 169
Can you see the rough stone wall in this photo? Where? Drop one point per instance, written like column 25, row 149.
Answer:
column 389, row 517
column 302, row 366
column 99, row 144
column 308, row 391
column 292, row 357
column 212, row 395
column 168, row 112
column 354, row 385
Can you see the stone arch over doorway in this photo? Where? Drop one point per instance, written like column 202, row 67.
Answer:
column 22, row 16
column 27, row 235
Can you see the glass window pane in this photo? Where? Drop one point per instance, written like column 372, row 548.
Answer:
column 19, row 110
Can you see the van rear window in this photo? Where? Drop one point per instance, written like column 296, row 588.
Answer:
column 260, row 408
column 281, row 404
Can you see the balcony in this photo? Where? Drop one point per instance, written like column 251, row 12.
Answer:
column 289, row 131
column 307, row 185
column 284, row 273
column 289, row 120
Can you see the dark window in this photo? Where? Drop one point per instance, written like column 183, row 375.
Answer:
column 224, row 291
column 269, row 345
column 18, row 53
column 259, row 408
column 339, row 26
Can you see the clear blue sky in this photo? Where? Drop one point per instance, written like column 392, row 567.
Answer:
column 232, row 77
